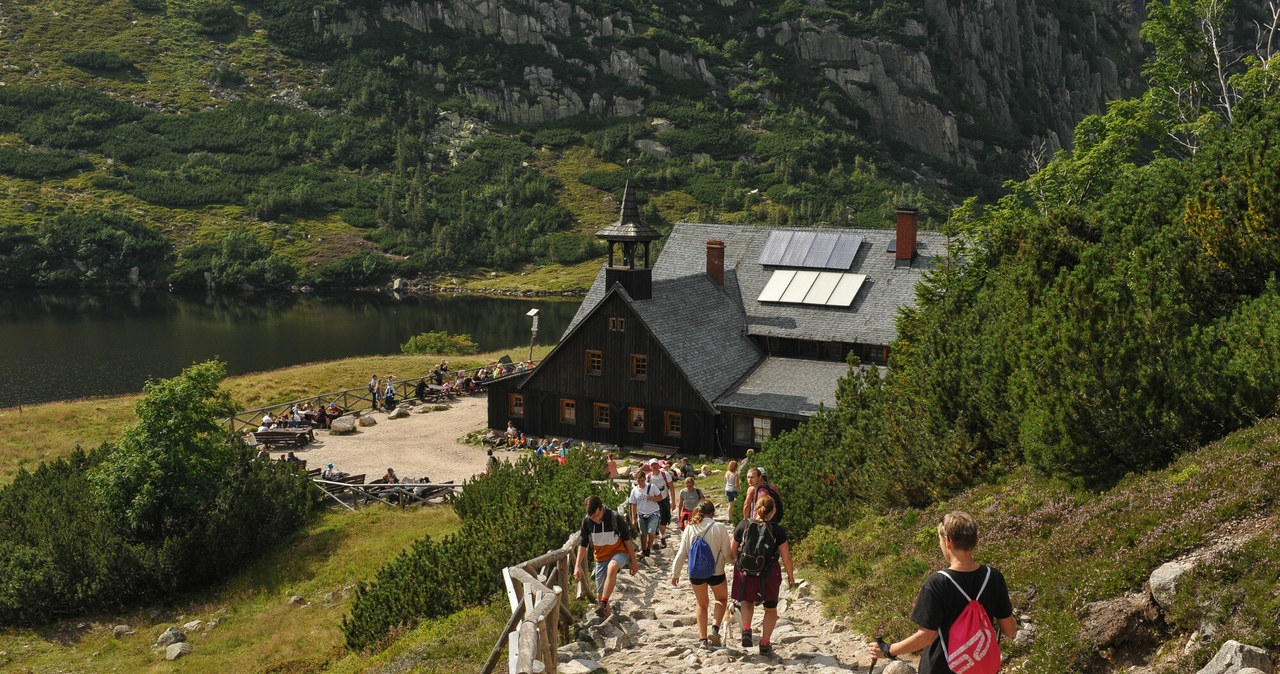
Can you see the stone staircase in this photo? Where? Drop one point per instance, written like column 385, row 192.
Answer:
column 653, row 630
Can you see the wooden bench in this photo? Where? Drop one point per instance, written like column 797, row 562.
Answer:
column 301, row 463
column 647, row 452
column 344, row 480
column 294, row 437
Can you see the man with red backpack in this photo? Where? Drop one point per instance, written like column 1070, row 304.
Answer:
column 955, row 607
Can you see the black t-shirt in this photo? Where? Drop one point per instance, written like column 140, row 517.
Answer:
column 940, row 604
column 779, row 534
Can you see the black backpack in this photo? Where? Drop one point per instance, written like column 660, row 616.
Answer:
column 759, row 549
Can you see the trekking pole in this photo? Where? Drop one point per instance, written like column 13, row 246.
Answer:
column 873, row 666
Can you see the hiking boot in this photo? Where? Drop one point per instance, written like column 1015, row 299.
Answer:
column 746, row 639
column 766, row 649
column 602, row 610
column 702, row 643
column 714, row 637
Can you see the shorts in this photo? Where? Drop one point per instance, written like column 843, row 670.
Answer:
column 649, row 523
column 713, row 581
column 602, row 568
column 758, row 589
column 665, row 511
column 730, row 496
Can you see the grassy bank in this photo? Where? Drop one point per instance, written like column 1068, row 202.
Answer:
column 42, row 432
column 258, row 627
column 1220, row 500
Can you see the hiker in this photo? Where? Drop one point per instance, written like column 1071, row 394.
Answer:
column 643, row 503
column 661, row 481
column 760, row 486
column 491, row 464
column 375, row 391
column 705, row 544
column 610, row 467
column 945, row 597
column 686, row 469
column 331, row 473
column 731, row 483
column 690, row 496
column 604, row 529
column 290, row 458
column 420, row 390
column 757, row 545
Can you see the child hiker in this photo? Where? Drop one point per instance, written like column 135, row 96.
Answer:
column 942, row 608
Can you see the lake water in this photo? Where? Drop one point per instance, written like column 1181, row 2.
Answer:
column 64, row 346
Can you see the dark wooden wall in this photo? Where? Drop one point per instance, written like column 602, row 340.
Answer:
column 563, row 374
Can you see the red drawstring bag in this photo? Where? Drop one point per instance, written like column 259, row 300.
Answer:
column 973, row 642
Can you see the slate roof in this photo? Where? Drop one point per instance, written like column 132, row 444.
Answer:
column 793, row 386
column 628, row 226
column 870, row 320
column 682, row 314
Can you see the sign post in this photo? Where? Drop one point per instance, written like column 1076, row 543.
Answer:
column 533, row 331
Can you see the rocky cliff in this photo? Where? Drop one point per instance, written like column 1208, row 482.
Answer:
column 963, row 81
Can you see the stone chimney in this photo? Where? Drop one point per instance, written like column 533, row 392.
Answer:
column 715, row 261
column 906, row 243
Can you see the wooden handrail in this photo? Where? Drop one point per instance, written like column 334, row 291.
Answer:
column 539, row 583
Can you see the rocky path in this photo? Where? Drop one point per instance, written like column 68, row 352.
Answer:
column 653, row 630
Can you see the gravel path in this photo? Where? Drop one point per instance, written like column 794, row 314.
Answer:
column 416, row 446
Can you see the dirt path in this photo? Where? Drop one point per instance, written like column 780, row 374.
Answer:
column 420, row 445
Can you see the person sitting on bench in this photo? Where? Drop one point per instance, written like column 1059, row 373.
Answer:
column 331, row 473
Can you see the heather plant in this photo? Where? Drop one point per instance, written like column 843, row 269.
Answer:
column 1061, row 548
column 516, row 512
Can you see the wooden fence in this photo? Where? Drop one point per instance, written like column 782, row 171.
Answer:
column 347, row 399
column 539, row 607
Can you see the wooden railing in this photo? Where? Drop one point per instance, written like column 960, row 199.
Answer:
column 347, row 399
column 536, row 590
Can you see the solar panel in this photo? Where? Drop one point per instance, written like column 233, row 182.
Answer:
column 845, row 250
column 775, row 247
column 822, row 287
column 777, row 283
column 846, row 290
column 801, row 242
column 823, row 244
column 799, row 286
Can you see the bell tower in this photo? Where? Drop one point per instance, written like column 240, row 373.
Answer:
column 628, row 241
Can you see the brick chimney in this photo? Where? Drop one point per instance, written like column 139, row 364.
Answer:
column 715, row 261
column 906, row 244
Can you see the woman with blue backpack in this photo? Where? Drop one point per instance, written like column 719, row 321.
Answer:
column 705, row 546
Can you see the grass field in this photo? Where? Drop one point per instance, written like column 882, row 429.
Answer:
column 35, row 434
column 259, row 628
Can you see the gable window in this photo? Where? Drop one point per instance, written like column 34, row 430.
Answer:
column 751, row 431
column 673, row 424
column 617, row 324
column 515, row 405
column 635, row 419
column 639, row 366
column 595, row 362
column 568, row 411
column 601, row 413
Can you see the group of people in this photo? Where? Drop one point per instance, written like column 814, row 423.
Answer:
column 306, row 415
column 944, row 610
column 554, row 448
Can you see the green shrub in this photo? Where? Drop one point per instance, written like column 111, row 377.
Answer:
column 238, row 260
column 441, row 343
column 517, row 512
column 571, row 248
column 359, row 270
column 607, row 180
column 228, row 78
column 35, row 164
column 176, row 504
column 97, row 61
column 100, row 248
column 216, row 18
column 148, row 5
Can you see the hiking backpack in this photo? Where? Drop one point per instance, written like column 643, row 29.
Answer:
column 768, row 488
column 759, row 549
column 702, row 564
column 973, row 649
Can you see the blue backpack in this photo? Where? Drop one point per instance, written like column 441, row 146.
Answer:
column 702, row 564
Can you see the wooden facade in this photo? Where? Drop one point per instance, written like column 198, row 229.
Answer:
column 611, row 381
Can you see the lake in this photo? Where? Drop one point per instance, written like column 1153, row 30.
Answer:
column 60, row 346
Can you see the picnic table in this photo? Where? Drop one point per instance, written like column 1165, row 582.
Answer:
column 298, row 437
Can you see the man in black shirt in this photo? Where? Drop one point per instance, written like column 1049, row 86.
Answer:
column 940, row 602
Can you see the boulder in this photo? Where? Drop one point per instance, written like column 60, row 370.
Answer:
column 1235, row 657
column 401, row 412
column 170, row 636
column 342, row 425
column 121, row 631
column 580, row 666
column 626, row 471
column 1164, row 582
column 193, row 626
column 368, row 421
column 297, row 600
column 175, row 651
column 1129, row 620
column 898, row 667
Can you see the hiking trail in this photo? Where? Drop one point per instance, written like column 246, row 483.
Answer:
column 653, row 629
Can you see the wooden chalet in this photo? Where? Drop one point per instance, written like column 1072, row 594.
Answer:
column 737, row 333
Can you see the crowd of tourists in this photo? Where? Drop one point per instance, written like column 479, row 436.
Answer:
column 954, row 609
